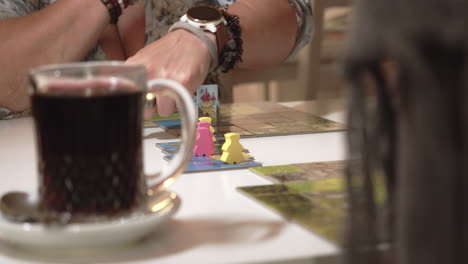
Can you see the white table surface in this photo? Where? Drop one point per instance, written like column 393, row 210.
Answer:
column 215, row 223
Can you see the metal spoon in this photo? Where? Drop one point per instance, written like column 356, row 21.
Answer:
column 19, row 207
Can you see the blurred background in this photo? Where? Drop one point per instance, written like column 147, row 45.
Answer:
column 315, row 73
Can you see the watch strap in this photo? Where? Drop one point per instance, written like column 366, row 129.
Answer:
column 212, row 47
column 221, row 37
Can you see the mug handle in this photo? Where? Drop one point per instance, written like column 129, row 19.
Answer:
column 160, row 181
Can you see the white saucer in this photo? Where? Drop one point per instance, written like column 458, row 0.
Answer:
column 88, row 235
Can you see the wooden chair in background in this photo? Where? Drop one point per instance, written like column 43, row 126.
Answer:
column 305, row 68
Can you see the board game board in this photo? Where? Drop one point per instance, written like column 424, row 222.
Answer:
column 203, row 163
column 152, row 121
column 311, row 194
column 302, row 172
column 316, row 205
column 257, row 120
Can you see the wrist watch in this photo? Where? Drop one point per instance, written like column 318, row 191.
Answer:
column 209, row 19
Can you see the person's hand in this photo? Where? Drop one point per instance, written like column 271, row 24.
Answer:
column 179, row 56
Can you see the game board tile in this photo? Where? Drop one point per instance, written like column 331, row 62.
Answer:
column 266, row 115
column 174, row 131
column 223, row 123
column 306, row 124
column 172, row 147
column 311, row 119
column 288, row 177
column 296, row 115
column 168, row 124
column 301, row 130
column 266, row 190
column 254, row 120
column 169, row 152
column 172, row 151
column 328, row 127
column 224, row 117
column 173, row 116
column 272, row 119
column 302, row 172
column 319, row 188
column 267, row 170
column 254, row 126
column 232, row 129
column 271, row 107
column 245, row 134
column 332, row 127
column 211, row 163
column 148, row 123
column 199, row 164
column 324, row 170
column 246, row 109
column 320, row 215
column 168, row 145
column 225, row 113
column 286, row 124
column 316, row 120
column 268, row 131
column 225, row 107
column 243, row 120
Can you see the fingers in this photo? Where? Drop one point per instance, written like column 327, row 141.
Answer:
column 162, row 104
column 178, row 56
column 149, row 112
column 165, row 105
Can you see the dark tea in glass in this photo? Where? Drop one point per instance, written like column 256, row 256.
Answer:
column 89, row 148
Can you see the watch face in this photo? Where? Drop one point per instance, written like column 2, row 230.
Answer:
column 204, row 14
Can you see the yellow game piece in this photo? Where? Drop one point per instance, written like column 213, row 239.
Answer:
column 232, row 149
column 208, row 120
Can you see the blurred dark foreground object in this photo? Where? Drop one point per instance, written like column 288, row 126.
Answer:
column 411, row 133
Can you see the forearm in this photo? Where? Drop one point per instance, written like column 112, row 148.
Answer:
column 62, row 32
column 269, row 29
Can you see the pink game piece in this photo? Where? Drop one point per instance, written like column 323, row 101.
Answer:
column 204, row 145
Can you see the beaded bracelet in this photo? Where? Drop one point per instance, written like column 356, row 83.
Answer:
column 232, row 52
column 116, row 7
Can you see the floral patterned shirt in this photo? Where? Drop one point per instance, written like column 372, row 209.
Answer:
column 163, row 13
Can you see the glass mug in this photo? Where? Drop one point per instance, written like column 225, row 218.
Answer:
column 89, row 129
